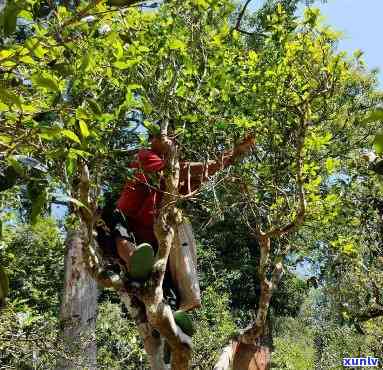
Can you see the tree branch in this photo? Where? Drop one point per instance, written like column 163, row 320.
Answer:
column 240, row 16
column 371, row 313
column 299, row 218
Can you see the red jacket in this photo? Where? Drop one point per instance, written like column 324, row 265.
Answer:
column 140, row 198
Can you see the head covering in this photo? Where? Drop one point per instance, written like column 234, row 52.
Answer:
column 149, row 161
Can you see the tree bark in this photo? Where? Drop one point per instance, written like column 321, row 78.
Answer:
column 153, row 343
column 78, row 310
column 251, row 349
column 241, row 356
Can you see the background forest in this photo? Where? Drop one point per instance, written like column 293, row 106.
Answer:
column 290, row 237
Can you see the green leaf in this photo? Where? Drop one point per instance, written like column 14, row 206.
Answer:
column 70, row 165
column 27, row 59
column 83, row 128
column 105, row 117
column 93, row 105
column 38, row 205
column 374, row 116
column 27, row 108
column 331, row 165
column 49, row 133
column 46, row 82
column 152, row 128
column 63, row 69
column 74, row 153
column 9, row 18
column 26, row 15
column 119, row 50
column 202, row 3
column 126, row 64
column 6, row 54
column 8, row 64
column 16, row 165
column 176, row 44
column 5, row 139
column 378, row 143
column 3, row 107
column 10, row 98
column 85, row 61
column 34, row 46
column 70, row 135
column 36, row 192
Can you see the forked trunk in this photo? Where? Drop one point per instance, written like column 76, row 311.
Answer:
column 243, row 356
column 251, row 349
column 254, row 356
column 250, row 357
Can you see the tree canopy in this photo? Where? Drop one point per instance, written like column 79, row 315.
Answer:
column 82, row 85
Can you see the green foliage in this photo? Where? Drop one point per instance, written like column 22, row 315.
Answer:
column 79, row 90
column 119, row 346
column 214, row 326
column 294, row 346
column 33, row 257
column 29, row 339
column 378, row 143
column 289, row 296
column 118, row 342
column 344, row 342
column 184, row 321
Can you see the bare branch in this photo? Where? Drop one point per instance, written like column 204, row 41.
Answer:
column 240, row 16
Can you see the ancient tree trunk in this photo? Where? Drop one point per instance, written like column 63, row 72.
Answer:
column 241, row 356
column 78, row 310
column 251, row 349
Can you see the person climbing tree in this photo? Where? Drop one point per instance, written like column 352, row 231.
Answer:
column 137, row 208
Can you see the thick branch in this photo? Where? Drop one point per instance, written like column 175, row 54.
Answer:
column 152, row 341
column 371, row 313
column 253, row 333
column 240, row 16
column 299, row 218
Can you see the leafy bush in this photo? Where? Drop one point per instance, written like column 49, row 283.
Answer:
column 214, row 325
column 34, row 259
column 118, row 344
column 294, row 349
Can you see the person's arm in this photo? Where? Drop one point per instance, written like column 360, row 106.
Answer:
column 193, row 174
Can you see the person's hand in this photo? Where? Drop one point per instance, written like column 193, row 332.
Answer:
column 245, row 145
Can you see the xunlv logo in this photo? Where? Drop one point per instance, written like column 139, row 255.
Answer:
column 361, row 361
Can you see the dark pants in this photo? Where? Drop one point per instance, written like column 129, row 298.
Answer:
column 114, row 224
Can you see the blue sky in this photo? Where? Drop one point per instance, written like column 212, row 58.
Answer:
column 362, row 26
column 361, row 23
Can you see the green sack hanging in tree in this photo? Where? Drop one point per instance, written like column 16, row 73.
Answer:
column 184, row 321
column 141, row 262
